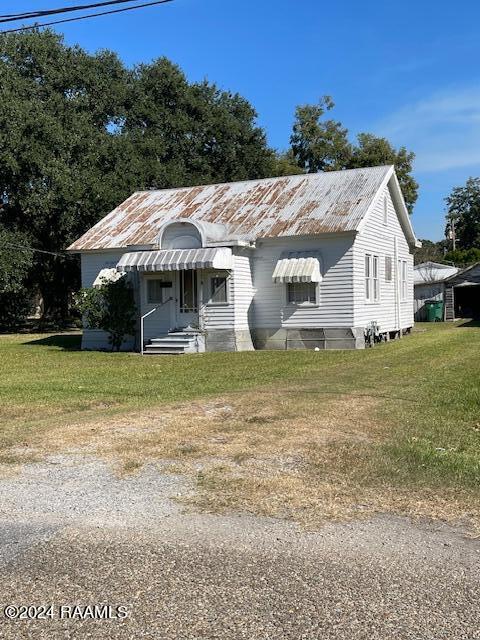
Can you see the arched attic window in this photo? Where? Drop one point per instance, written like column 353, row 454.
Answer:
column 180, row 235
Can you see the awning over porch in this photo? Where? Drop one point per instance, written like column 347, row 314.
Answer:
column 298, row 266
column 176, row 260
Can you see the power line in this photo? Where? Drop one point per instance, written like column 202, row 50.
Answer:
column 90, row 15
column 26, row 248
column 12, row 17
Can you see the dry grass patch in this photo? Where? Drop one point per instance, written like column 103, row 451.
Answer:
column 265, row 452
column 312, row 501
column 293, row 454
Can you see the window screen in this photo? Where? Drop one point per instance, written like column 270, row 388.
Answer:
column 302, row 292
column 388, row 268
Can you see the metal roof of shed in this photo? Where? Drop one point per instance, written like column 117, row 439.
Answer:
column 316, row 203
column 429, row 272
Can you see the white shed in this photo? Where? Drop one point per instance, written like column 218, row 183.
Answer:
column 305, row 261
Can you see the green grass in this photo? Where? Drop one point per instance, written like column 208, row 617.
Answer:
column 427, row 386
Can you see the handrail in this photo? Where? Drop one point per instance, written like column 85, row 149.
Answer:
column 145, row 315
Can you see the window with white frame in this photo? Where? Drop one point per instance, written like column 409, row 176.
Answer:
column 218, row 289
column 302, row 293
column 372, row 283
column 385, row 210
column 402, row 268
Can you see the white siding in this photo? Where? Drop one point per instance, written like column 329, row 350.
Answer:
column 235, row 314
column 92, row 264
column 219, row 316
column 243, row 290
column 335, row 304
column 378, row 239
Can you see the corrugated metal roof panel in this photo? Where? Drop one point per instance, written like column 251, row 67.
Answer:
column 293, row 205
column 429, row 272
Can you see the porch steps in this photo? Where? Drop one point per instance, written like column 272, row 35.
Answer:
column 175, row 342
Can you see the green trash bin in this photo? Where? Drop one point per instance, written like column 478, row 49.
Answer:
column 434, row 310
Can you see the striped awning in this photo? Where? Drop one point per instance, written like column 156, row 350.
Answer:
column 298, row 266
column 176, row 260
column 107, row 275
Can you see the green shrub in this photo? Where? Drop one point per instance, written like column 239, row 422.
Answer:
column 110, row 307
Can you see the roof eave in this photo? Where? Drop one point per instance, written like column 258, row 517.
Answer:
column 404, row 216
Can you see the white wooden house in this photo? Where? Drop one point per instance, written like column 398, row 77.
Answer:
column 293, row 262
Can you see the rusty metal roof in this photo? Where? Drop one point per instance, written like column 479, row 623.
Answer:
column 308, row 204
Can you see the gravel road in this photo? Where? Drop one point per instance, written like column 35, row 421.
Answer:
column 71, row 532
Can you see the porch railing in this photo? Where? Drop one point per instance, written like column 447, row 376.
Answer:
column 142, row 321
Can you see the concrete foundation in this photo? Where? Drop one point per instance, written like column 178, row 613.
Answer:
column 228, row 340
column 321, row 338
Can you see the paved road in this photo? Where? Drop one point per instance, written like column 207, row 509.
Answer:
column 189, row 576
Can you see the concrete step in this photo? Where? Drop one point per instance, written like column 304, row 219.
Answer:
column 171, row 345
column 171, row 339
column 174, row 344
column 163, row 352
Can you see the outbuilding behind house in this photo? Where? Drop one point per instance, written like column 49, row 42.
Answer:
column 458, row 289
column 429, row 284
column 462, row 294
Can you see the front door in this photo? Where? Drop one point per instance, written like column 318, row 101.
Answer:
column 187, row 301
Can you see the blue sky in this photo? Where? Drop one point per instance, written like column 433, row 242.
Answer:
column 408, row 70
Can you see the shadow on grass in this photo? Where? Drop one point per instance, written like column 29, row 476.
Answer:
column 469, row 323
column 66, row 342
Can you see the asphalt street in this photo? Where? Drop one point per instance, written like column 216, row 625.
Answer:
column 153, row 571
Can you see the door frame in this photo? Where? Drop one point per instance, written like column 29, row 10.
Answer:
column 165, row 309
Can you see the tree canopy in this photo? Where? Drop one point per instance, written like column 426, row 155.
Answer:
column 320, row 144
column 463, row 210
column 429, row 252
column 15, row 260
column 80, row 132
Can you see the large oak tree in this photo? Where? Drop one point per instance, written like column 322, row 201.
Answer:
column 80, row 132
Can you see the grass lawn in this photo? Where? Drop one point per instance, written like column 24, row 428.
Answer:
column 306, row 435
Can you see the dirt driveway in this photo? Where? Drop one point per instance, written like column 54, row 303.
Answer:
column 72, row 533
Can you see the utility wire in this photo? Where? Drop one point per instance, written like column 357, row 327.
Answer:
column 90, row 15
column 12, row 17
column 26, row 248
